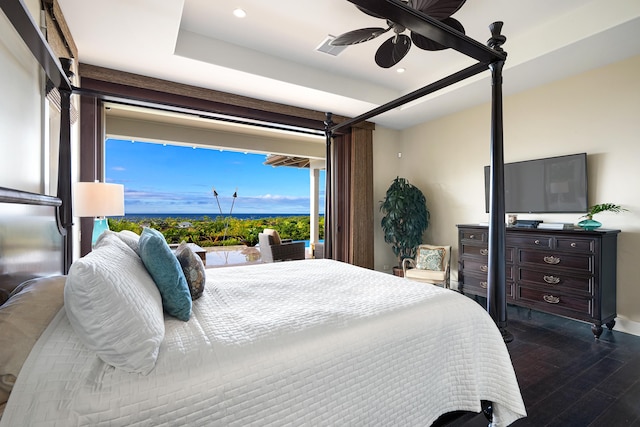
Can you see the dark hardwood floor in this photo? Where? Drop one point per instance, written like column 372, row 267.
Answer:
column 567, row 377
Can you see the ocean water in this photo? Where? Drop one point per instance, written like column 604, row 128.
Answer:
column 139, row 216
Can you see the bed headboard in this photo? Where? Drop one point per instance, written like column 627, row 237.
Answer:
column 35, row 229
column 30, row 242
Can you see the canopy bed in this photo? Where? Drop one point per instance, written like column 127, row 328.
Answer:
column 264, row 344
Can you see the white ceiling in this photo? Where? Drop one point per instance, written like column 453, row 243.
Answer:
column 271, row 54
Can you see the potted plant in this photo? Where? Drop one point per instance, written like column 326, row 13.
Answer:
column 405, row 218
column 589, row 223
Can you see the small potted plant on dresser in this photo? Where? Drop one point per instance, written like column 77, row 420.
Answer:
column 591, row 224
column 405, row 218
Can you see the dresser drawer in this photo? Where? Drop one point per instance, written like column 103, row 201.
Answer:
column 557, row 302
column 478, row 286
column 576, row 245
column 559, row 260
column 481, row 267
column 474, row 235
column 532, row 241
column 474, row 250
column 554, row 280
column 483, row 252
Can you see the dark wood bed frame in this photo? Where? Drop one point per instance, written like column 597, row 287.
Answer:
column 489, row 57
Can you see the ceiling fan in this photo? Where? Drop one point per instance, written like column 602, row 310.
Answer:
column 396, row 47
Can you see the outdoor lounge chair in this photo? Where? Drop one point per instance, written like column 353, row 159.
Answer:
column 273, row 249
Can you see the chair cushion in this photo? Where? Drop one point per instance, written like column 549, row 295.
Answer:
column 425, row 275
column 274, row 237
column 430, row 259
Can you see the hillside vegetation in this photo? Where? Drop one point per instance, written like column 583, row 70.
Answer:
column 220, row 231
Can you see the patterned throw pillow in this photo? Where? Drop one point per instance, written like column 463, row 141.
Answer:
column 193, row 269
column 430, row 259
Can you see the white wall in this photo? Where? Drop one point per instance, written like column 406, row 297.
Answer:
column 597, row 112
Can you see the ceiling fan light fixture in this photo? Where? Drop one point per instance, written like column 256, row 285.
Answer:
column 329, row 48
column 394, row 49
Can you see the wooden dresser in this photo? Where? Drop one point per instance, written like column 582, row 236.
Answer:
column 570, row 273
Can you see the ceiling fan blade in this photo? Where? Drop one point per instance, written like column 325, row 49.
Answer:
column 393, row 50
column 438, row 9
column 375, row 15
column 453, row 23
column 424, row 43
column 358, row 36
column 427, row 44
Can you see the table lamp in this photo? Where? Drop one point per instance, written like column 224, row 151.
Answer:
column 98, row 200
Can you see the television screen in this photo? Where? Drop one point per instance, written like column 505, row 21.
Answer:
column 550, row 185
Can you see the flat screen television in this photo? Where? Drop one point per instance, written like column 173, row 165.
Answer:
column 549, row 185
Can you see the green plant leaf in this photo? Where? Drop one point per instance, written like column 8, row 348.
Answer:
column 405, row 217
column 603, row 207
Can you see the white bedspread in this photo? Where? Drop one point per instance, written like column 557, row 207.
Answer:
column 313, row 342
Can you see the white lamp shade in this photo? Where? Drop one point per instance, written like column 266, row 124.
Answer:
column 91, row 199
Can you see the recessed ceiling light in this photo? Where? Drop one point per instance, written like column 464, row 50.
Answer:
column 239, row 13
column 401, row 70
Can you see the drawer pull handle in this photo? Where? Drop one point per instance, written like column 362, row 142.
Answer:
column 484, row 251
column 573, row 244
column 484, row 268
column 551, row 259
column 472, row 236
column 552, row 280
column 483, row 285
column 551, row 299
column 537, row 242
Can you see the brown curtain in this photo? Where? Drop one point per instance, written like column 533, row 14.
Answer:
column 352, row 191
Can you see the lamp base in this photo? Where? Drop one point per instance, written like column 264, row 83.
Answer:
column 100, row 225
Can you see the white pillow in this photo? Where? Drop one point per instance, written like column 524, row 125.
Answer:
column 129, row 237
column 115, row 307
column 23, row 318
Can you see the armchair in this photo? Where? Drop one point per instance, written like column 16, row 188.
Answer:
column 273, row 249
column 430, row 266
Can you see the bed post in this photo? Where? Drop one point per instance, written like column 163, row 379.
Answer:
column 328, row 198
column 64, row 217
column 497, row 291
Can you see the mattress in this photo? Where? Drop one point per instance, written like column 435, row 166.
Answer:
column 313, row 342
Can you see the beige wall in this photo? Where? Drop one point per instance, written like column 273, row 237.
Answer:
column 386, row 166
column 597, row 112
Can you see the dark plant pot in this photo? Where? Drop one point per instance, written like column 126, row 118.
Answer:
column 397, row 271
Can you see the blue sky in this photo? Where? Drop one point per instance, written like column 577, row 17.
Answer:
column 177, row 179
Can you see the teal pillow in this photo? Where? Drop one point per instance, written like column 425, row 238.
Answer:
column 166, row 271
